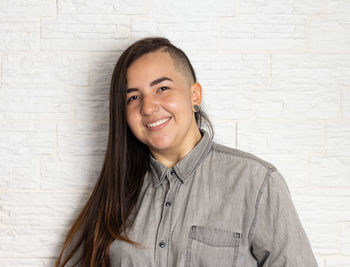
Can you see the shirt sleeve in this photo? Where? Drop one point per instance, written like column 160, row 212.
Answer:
column 277, row 236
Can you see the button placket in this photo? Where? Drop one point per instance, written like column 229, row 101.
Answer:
column 166, row 220
column 172, row 173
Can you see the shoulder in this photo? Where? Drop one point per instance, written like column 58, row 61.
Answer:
column 233, row 155
column 238, row 167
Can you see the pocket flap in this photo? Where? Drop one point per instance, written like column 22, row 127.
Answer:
column 214, row 236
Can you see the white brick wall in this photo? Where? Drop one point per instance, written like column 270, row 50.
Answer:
column 276, row 82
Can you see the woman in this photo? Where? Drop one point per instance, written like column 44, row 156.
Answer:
column 168, row 195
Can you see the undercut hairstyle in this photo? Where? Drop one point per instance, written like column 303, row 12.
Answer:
column 181, row 63
column 108, row 211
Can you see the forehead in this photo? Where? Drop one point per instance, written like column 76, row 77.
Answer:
column 150, row 65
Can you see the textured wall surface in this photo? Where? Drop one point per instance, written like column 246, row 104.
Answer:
column 276, row 83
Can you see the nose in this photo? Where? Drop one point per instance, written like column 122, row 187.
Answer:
column 149, row 105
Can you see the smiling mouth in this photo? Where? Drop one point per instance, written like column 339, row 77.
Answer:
column 157, row 123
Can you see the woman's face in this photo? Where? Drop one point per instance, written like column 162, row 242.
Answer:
column 159, row 103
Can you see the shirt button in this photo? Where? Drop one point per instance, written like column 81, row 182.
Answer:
column 168, row 204
column 162, row 244
column 172, row 172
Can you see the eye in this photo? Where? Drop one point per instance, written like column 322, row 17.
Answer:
column 131, row 98
column 164, row 87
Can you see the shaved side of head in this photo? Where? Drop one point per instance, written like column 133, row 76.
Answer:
column 181, row 64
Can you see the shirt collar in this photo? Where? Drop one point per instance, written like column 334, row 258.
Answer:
column 185, row 167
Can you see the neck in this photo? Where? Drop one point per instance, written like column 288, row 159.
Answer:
column 171, row 157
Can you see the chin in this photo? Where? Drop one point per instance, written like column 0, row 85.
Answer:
column 161, row 144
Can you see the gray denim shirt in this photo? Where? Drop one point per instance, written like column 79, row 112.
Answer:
column 217, row 207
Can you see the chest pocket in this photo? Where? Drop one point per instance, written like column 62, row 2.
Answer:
column 208, row 247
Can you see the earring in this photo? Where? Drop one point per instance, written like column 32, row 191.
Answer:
column 196, row 108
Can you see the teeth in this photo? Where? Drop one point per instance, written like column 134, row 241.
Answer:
column 158, row 122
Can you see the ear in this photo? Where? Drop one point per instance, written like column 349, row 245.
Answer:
column 196, row 94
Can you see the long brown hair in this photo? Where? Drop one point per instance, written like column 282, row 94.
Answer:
column 106, row 212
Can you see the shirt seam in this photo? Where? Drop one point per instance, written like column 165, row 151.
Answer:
column 257, row 202
column 267, row 165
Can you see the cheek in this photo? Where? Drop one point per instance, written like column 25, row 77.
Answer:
column 131, row 117
column 133, row 125
column 179, row 103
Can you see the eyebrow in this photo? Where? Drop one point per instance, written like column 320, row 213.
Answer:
column 156, row 81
